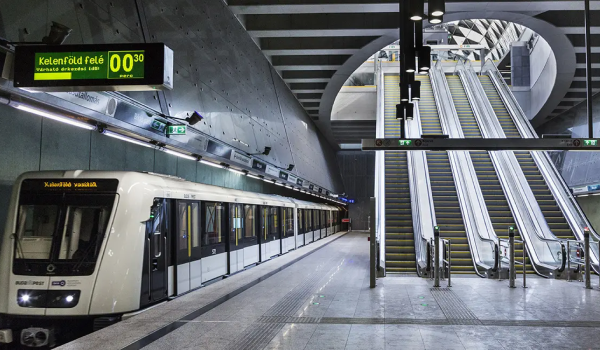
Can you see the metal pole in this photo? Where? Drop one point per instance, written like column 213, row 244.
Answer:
column 512, row 274
column 436, row 272
column 524, row 266
column 588, row 69
column 569, row 261
column 373, row 246
column 449, row 263
column 586, row 241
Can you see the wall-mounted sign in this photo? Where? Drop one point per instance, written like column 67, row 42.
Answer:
column 176, row 130
column 292, row 178
column 320, row 190
column 92, row 100
column 139, row 117
column 283, row 176
column 107, row 67
column 241, row 158
column 311, row 187
column 271, row 170
column 219, row 149
column 299, row 182
column 258, row 165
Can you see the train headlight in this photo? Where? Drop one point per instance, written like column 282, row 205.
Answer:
column 25, row 298
column 69, row 298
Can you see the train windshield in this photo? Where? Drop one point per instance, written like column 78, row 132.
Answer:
column 60, row 233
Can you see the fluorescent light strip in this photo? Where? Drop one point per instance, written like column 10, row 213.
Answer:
column 296, row 189
column 211, row 164
column 267, row 180
column 178, row 154
column 253, row 176
column 290, row 187
column 127, row 139
column 278, row 184
column 236, row 171
column 56, row 117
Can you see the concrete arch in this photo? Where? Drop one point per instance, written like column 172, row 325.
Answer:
column 564, row 53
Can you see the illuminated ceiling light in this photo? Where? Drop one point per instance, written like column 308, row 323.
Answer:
column 127, row 139
column 236, row 171
column 269, row 181
column 214, row 165
column 435, row 19
column 416, row 9
column 424, row 58
column 178, row 154
column 253, row 176
column 279, row 184
column 415, row 90
column 436, row 8
column 56, row 117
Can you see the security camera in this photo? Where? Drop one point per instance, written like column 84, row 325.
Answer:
column 267, row 151
column 195, row 118
column 58, row 34
column 290, row 167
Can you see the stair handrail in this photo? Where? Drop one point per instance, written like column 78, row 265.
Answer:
column 526, row 211
column 474, row 211
column 567, row 203
column 421, row 196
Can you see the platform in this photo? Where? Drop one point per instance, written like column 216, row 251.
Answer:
column 323, row 301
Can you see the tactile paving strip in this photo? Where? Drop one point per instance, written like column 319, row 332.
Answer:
column 453, row 308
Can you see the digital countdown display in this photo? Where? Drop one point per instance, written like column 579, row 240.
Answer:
column 89, row 65
column 111, row 67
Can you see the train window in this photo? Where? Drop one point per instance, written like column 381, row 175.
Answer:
column 183, row 217
column 195, row 225
column 84, row 224
column 308, row 217
column 213, row 233
column 300, row 222
column 36, row 223
column 288, row 218
column 274, row 220
column 157, row 244
column 264, row 222
column 249, row 218
column 236, row 223
column 323, row 222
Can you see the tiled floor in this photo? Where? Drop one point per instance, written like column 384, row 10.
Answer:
column 324, row 302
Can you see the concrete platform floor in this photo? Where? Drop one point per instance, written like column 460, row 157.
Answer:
column 324, row 302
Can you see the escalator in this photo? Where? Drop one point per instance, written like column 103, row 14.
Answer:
column 552, row 213
column 491, row 188
column 399, row 237
column 445, row 199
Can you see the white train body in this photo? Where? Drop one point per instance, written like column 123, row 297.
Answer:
column 100, row 244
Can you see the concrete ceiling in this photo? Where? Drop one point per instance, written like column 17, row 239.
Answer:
column 316, row 44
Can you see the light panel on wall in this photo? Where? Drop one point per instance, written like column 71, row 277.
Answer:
column 54, row 116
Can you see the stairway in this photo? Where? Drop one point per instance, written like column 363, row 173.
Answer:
column 399, row 236
column 491, row 188
column 445, row 199
column 554, row 216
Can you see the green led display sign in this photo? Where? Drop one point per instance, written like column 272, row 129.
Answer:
column 109, row 67
column 405, row 142
column 590, row 143
column 176, row 130
column 89, row 65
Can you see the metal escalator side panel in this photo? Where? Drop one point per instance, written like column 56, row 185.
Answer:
column 572, row 212
column 478, row 225
column 527, row 214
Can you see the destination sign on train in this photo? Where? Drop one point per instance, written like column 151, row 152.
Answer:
column 118, row 67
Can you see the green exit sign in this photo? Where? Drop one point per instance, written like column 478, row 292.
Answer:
column 176, row 130
column 405, row 142
column 591, row 143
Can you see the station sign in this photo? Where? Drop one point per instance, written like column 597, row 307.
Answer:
column 107, row 67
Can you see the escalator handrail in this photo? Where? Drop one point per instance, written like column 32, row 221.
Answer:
column 573, row 213
column 514, row 196
column 446, row 106
column 380, row 167
column 419, row 190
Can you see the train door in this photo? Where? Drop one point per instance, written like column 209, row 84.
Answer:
column 300, row 223
column 154, row 275
column 264, row 232
column 236, row 247
column 213, row 246
column 188, row 253
column 275, row 228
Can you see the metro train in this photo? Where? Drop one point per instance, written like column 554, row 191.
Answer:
column 82, row 249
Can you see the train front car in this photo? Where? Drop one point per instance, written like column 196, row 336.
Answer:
column 66, row 259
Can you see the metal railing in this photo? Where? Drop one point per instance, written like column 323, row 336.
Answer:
column 444, row 258
column 581, row 259
column 511, row 258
